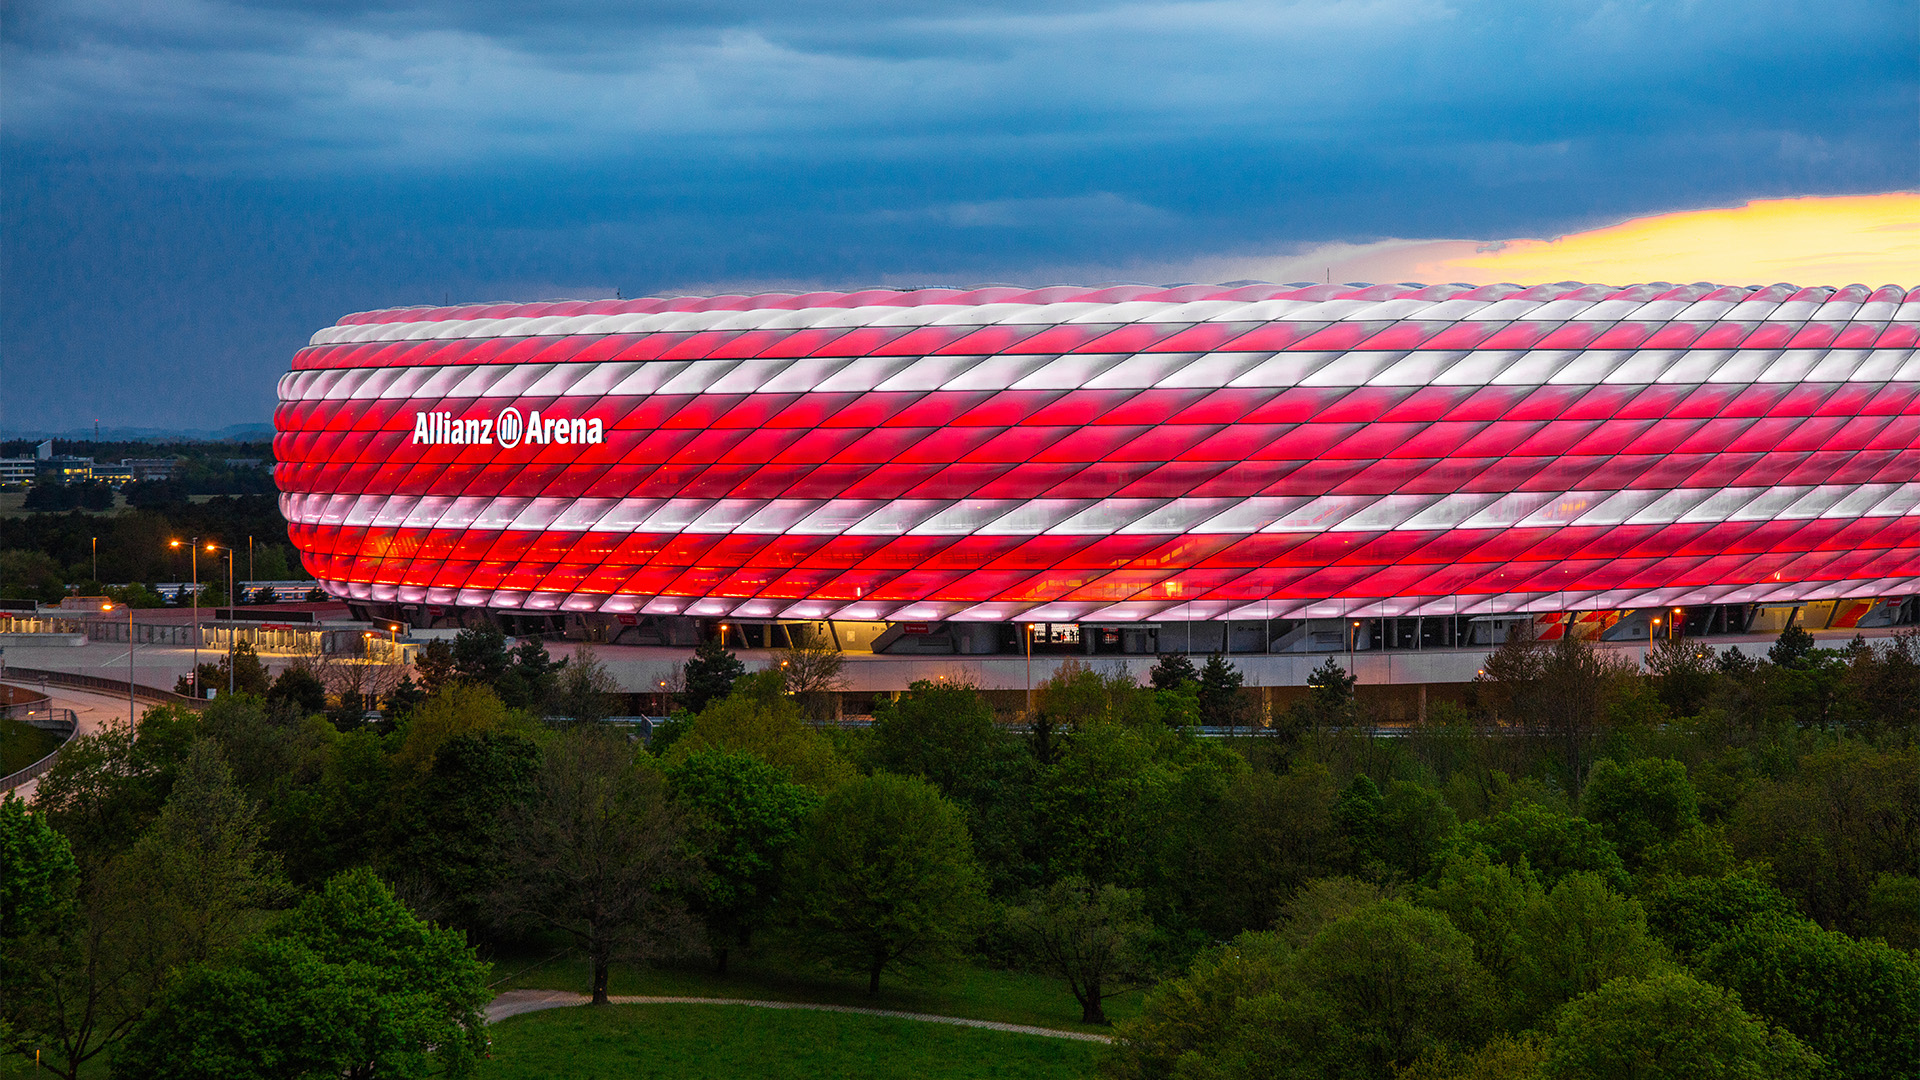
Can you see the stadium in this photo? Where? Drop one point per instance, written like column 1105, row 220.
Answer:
column 1118, row 470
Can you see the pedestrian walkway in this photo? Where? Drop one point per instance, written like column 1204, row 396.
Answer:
column 515, row 1002
column 93, row 712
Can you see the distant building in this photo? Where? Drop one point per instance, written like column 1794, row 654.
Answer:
column 17, row 470
column 153, row 468
column 65, row 469
column 116, row 475
column 244, row 462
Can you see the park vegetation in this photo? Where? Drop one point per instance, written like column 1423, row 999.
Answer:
column 1705, row 870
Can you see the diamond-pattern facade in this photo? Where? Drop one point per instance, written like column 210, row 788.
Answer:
column 1116, row 454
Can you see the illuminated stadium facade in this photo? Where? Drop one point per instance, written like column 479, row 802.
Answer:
column 932, row 468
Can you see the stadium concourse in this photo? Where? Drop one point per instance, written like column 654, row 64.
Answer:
column 948, row 480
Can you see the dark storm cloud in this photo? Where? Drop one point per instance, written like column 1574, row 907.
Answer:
column 225, row 178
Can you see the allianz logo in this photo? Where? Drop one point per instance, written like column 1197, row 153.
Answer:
column 507, row 430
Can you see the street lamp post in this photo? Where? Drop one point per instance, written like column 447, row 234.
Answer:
column 193, row 547
column 1652, row 626
column 231, row 635
column 133, row 721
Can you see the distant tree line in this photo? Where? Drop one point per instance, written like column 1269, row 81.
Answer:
column 41, row 555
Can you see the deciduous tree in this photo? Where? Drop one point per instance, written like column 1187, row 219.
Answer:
column 350, row 984
column 744, row 814
column 1670, row 1027
column 1089, row 935
column 597, row 853
column 883, row 877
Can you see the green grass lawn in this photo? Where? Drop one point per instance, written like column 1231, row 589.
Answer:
column 22, row 744
column 973, row 992
column 685, row 1042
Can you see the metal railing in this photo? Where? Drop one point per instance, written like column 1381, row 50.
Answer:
column 46, row 718
column 75, row 681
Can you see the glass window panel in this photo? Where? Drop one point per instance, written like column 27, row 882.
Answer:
column 1389, row 512
column 1770, row 504
column 835, row 516
column 1035, row 516
column 1069, row 372
column 1618, row 507
column 897, row 517
column 675, row 515
column 864, row 374
column 649, row 378
column 1106, row 517
column 996, row 373
column 1177, row 516
column 1147, row 369
column 929, row 373
column 1863, row 498
column 499, row 513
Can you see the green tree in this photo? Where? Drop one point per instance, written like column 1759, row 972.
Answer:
column 946, row 733
column 597, row 853
column 105, row 788
column 435, row 665
column 1850, row 814
column 1415, row 826
column 1551, row 843
column 1576, row 938
column 584, row 689
column 1793, row 650
column 883, row 877
column 1221, row 704
column 1670, row 1027
column 299, row 690
column 180, row 895
column 1090, row 936
column 1173, row 670
column 1275, row 832
column 1691, row 914
column 37, row 871
column 709, row 676
column 350, row 984
column 942, row 731
column 1190, row 1022
column 1683, row 671
column 249, row 675
column 1640, row 804
column 1369, row 994
column 745, row 813
column 1357, row 816
column 1099, row 805
column 1856, row 1003
column 1486, row 900
column 460, row 709
column 405, row 697
column 532, row 677
column 480, row 655
column 449, row 846
column 759, row 718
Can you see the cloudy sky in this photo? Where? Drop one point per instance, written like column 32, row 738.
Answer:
column 189, row 188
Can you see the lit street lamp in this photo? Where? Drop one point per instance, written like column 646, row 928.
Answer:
column 193, row 547
column 133, row 721
column 232, row 633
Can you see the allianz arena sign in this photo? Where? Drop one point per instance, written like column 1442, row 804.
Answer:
column 1116, row 454
column 448, row 429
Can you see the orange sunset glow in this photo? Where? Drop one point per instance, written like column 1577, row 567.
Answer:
column 1869, row 239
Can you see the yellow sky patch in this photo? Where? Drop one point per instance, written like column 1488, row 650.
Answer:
column 1868, row 239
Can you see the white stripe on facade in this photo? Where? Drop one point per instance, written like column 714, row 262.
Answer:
column 1099, row 517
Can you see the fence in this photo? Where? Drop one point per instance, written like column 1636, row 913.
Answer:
column 117, row 687
column 45, row 718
